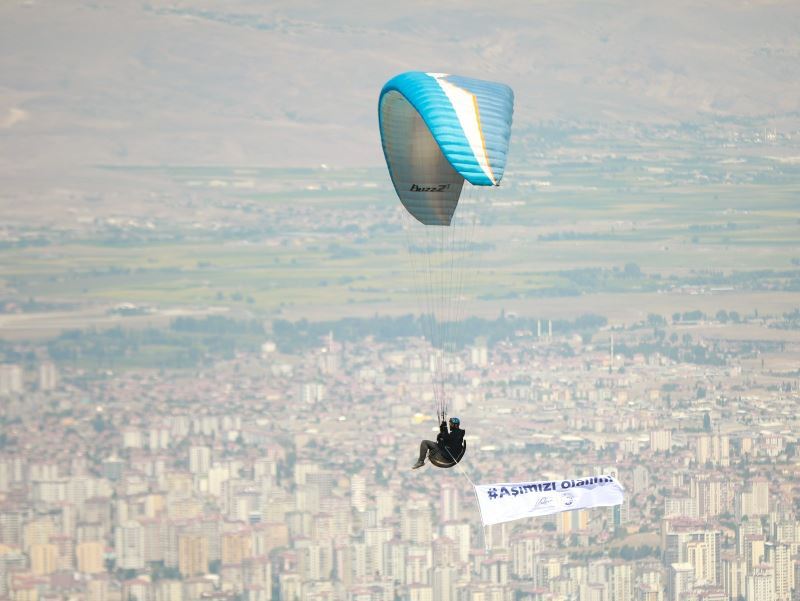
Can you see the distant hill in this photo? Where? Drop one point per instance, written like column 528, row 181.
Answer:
column 296, row 82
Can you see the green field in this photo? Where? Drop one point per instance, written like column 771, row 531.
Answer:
column 318, row 242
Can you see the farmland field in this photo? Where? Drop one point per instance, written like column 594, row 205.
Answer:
column 668, row 228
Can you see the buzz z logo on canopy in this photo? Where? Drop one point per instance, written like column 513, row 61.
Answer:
column 552, row 486
column 433, row 188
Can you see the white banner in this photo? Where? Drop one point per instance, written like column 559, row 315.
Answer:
column 512, row 501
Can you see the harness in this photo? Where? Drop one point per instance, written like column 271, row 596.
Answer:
column 439, row 460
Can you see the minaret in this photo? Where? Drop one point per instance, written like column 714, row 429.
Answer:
column 612, row 351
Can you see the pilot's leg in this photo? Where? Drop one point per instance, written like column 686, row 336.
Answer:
column 425, row 447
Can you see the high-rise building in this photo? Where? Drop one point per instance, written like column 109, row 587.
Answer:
column 158, row 438
column 689, row 542
column 394, row 556
column 753, row 500
column 48, row 376
column 680, row 507
column 569, row 522
column 618, row 514
column 375, row 540
column 796, row 576
column 660, row 441
column 10, row 561
column 265, row 469
column 11, row 379
column 199, row 459
column 712, row 495
column 315, row 560
column 169, row 590
column 98, row 588
column 760, row 584
column 641, row 479
column 449, row 503
column 90, row 557
column 324, row 482
column 311, row 393
column 780, row 558
column 358, row 492
column 712, row 448
column 787, row 531
column 418, row 561
column 302, row 469
column 755, row 549
column 65, row 551
column 697, row 552
column 129, row 546
column 38, row 532
column 192, row 555
column 416, row 525
column 734, row 572
column 445, row 552
column 646, row 592
column 621, row 582
column 681, row 580
column 11, row 527
column 135, row 589
column 384, row 503
column 112, row 468
column 359, row 561
column 236, row 547
column 44, row 559
column 744, row 530
column 524, row 549
column 257, row 575
column 5, row 475
column 419, row 592
column 650, row 584
column 760, row 490
column 444, row 583
column 497, row 535
column 459, row 533
column 479, row 355
column 548, row 567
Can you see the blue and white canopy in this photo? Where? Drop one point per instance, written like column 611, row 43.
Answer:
column 438, row 130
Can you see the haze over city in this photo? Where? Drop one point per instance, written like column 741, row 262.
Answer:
column 223, row 336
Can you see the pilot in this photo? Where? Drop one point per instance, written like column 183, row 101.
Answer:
column 447, row 446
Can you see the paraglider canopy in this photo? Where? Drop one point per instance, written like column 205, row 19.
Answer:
column 438, row 130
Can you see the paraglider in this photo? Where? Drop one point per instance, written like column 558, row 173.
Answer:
column 439, row 132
